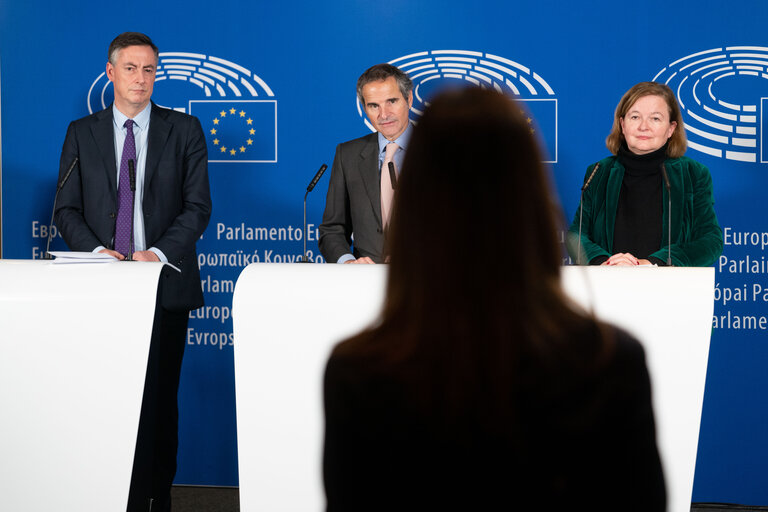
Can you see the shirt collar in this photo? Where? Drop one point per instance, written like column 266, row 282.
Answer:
column 141, row 120
column 401, row 141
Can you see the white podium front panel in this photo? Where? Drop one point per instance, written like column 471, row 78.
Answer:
column 287, row 318
column 74, row 343
column 670, row 311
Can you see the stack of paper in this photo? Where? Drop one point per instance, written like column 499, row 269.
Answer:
column 81, row 257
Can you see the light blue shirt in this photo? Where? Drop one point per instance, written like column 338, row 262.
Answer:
column 140, row 134
column 402, row 142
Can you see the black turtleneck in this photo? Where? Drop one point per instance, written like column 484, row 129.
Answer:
column 639, row 214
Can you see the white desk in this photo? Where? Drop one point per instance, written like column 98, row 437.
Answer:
column 288, row 317
column 71, row 381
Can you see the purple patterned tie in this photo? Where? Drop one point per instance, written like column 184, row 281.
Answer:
column 124, row 223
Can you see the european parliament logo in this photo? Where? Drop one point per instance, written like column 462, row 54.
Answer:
column 436, row 69
column 724, row 99
column 238, row 127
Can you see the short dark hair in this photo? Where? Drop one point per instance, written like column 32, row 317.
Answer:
column 677, row 142
column 382, row 72
column 127, row 39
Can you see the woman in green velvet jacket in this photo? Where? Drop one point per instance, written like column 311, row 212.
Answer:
column 623, row 216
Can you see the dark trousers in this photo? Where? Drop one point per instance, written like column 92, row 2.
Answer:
column 154, row 463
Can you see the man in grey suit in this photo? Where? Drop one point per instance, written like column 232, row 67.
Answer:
column 358, row 204
column 159, row 218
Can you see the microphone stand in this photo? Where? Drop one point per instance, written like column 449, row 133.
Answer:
column 581, row 210
column 132, row 182
column 304, row 258
column 53, row 212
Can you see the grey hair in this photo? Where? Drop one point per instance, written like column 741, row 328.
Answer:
column 382, row 72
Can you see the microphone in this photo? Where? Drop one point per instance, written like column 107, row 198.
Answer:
column 669, row 214
column 392, row 174
column 589, row 180
column 318, row 175
column 581, row 210
column 59, row 186
column 132, row 182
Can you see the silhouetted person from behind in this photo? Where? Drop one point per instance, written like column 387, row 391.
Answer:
column 482, row 386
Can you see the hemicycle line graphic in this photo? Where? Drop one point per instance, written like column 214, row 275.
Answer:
column 721, row 93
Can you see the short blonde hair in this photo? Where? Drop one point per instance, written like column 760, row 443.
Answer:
column 678, row 142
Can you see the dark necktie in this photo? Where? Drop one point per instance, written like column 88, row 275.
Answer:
column 387, row 192
column 124, row 223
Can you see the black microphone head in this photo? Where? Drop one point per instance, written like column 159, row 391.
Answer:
column 589, row 180
column 392, row 174
column 317, row 177
column 665, row 176
column 66, row 174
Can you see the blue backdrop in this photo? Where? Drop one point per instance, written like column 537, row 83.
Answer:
column 276, row 81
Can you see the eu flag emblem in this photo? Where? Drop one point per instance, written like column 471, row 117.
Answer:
column 238, row 130
column 542, row 119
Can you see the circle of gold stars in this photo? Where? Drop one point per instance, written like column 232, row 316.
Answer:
column 233, row 113
column 528, row 120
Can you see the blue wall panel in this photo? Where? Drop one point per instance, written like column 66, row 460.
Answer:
column 302, row 59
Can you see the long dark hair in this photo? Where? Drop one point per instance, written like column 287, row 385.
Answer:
column 473, row 293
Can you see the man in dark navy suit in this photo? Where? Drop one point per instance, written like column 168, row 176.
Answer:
column 160, row 219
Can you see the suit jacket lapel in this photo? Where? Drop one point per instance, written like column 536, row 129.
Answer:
column 369, row 170
column 159, row 129
column 104, row 135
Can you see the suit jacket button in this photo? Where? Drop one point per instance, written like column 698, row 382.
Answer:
column 112, row 215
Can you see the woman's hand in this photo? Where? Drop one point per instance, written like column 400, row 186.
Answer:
column 623, row 259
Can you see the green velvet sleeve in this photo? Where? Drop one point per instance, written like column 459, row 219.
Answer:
column 592, row 243
column 700, row 242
